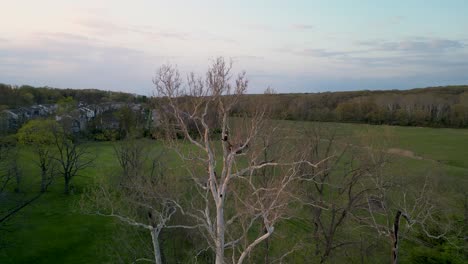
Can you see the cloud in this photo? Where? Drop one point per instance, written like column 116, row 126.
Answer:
column 371, row 58
column 380, row 59
column 321, row 53
column 317, row 83
column 318, row 53
column 419, row 45
column 64, row 38
column 158, row 34
column 248, row 57
column 104, row 28
column 270, row 28
column 67, row 60
column 302, row 27
column 215, row 37
column 64, row 46
column 419, row 62
column 416, row 53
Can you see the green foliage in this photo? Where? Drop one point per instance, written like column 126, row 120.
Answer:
column 434, row 107
column 10, row 141
column 37, row 133
column 66, row 105
column 441, row 254
column 127, row 121
column 107, row 135
column 14, row 96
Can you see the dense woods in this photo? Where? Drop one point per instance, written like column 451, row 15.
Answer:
column 433, row 107
column 25, row 95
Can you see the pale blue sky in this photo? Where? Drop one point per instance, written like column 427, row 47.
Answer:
column 292, row 46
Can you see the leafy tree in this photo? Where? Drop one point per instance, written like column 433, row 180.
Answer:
column 66, row 105
column 39, row 135
column 127, row 121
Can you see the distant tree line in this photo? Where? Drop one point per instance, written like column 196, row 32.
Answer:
column 25, row 95
column 433, row 107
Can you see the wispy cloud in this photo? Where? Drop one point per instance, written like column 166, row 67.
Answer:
column 302, row 27
column 411, row 50
column 414, row 56
column 321, row 53
column 420, row 62
column 420, row 45
column 248, row 57
column 282, row 28
column 66, row 60
column 205, row 35
column 104, row 28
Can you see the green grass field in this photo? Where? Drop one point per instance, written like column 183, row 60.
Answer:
column 53, row 229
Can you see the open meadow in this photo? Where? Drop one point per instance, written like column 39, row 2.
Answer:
column 53, row 229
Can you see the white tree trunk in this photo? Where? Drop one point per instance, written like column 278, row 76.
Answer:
column 220, row 229
column 157, row 252
column 254, row 244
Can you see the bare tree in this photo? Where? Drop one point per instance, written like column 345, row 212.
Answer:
column 267, row 174
column 391, row 199
column 225, row 171
column 131, row 155
column 139, row 197
column 72, row 157
column 334, row 190
column 152, row 214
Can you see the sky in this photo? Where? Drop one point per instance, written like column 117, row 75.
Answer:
column 291, row 46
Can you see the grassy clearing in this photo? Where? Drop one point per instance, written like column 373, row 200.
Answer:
column 442, row 150
column 53, row 230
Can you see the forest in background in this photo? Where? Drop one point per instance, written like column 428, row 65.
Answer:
column 445, row 106
column 22, row 96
